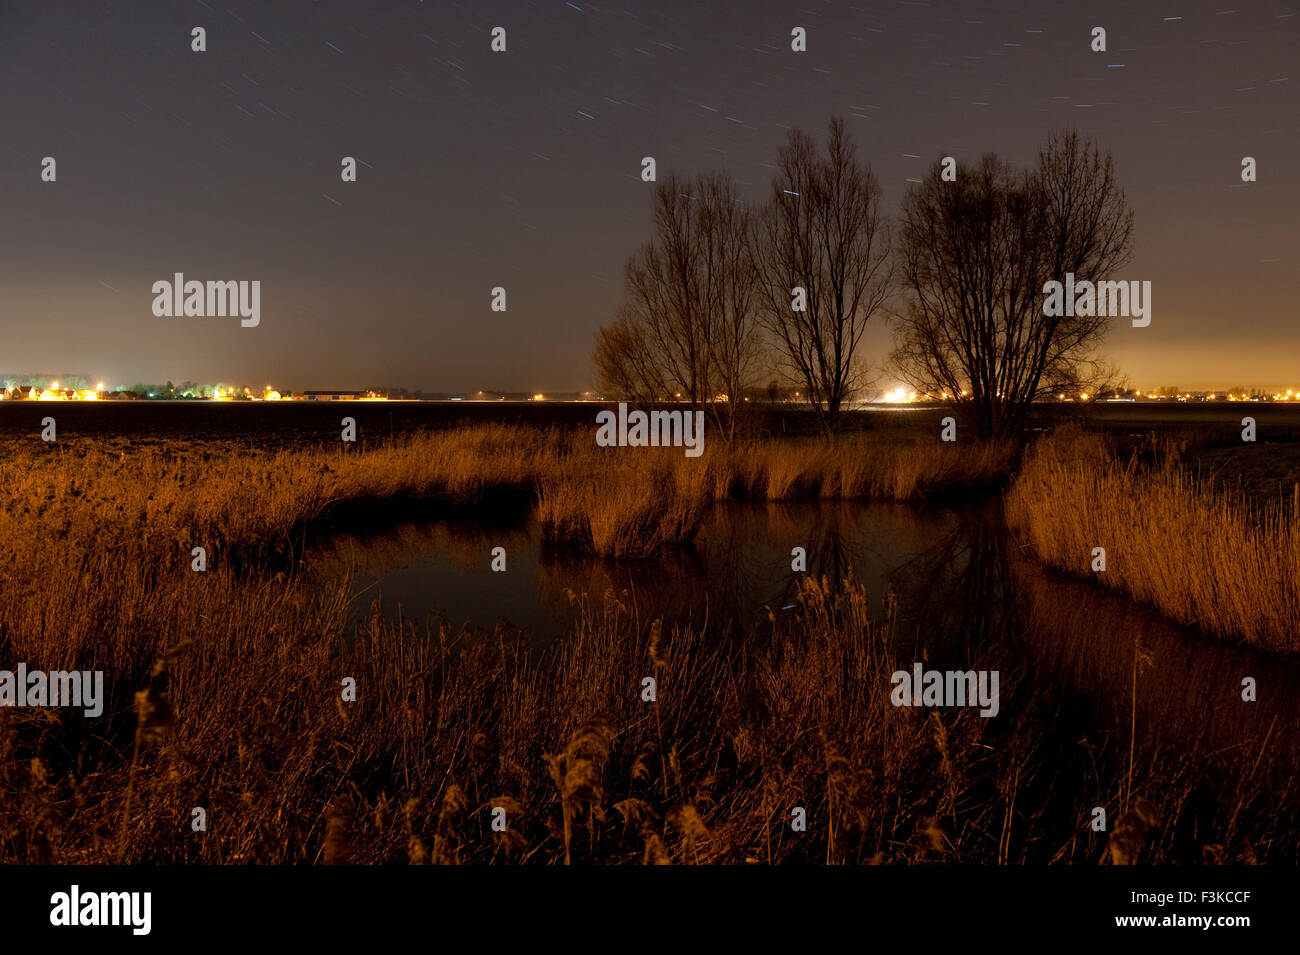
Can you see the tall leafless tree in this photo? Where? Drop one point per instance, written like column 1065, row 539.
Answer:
column 976, row 254
column 735, row 344
column 687, row 326
column 822, row 231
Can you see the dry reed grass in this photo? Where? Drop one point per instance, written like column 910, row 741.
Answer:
column 245, row 721
column 631, row 505
column 224, row 690
column 250, row 504
column 1205, row 557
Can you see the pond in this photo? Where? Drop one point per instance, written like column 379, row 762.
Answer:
column 739, row 567
column 1102, row 680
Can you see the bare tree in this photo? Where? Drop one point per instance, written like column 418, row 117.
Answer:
column 976, row 254
column 687, row 325
column 726, row 225
column 821, row 231
column 625, row 365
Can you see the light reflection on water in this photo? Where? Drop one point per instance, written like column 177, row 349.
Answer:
column 739, row 566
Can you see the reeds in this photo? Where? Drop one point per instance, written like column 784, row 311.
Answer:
column 449, row 727
column 250, row 505
column 1205, row 557
column 620, row 506
column 225, row 686
column 621, row 503
column 446, row 728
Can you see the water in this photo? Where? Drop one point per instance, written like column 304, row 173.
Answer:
column 1093, row 677
column 738, row 569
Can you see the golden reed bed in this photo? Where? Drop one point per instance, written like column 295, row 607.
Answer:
column 1205, row 557
column 224, row 687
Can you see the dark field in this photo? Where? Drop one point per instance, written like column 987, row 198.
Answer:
column 1208, row 435
column 1204, row 423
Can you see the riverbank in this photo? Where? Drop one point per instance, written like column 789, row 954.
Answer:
column 1206, row 555
column 248, row 504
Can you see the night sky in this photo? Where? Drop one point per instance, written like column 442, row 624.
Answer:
column 522, row 169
